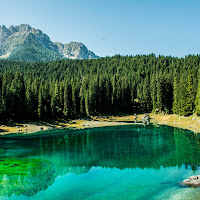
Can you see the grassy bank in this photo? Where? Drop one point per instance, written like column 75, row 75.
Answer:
column 191, row 123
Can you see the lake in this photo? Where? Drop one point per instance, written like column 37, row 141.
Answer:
column 120, row 162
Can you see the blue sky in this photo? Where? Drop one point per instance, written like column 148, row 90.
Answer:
column 126, row 27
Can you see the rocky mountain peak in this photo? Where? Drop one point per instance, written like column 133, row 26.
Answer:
column 75, row 50
column 23, row 36
column 24, row 28
column 13, row 29
column 4, row 32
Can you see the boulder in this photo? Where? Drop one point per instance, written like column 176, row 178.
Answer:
column 193, row 181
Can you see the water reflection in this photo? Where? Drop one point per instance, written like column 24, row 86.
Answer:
column 31, row 165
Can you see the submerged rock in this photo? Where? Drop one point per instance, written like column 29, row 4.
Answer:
column 193, row 181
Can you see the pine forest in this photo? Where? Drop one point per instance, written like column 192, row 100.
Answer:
column 69, row 89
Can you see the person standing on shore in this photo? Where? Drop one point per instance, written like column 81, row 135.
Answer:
column 135, row 118
column 146, row 120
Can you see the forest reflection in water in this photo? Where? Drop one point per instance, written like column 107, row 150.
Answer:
column 29, row 165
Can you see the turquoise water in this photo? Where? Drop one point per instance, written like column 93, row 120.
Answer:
column 121, row 162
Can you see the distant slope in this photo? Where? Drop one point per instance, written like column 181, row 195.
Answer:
column 32, row 51
column 24, row 43
column 75, row 50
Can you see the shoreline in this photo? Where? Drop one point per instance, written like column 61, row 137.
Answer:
column 190, row 123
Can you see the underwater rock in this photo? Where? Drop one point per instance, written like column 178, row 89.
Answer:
column 193, row 181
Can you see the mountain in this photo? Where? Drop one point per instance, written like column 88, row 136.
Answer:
column 75, row 50
column 25, row 43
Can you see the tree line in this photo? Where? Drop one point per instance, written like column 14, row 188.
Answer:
column 120, row 84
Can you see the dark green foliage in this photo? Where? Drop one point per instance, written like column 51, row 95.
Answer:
column 55, row 100
column 176, row 107
column 40, row 103
column 197, row 101
column 75, row 88
column 67, row 100
column 191, row 94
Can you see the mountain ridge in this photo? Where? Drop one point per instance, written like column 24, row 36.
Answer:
column 25, row 43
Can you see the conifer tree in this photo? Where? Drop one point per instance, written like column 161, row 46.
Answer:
column 87, row 105
column 55, row 100
column 188, row 102
column 159, row 94
column 154, row 92
column 176, row 108
column 190, row 93
column 40, row 103
column 67, row 94
column 197, row 101
column 182, row 104
column 147, row 95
